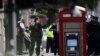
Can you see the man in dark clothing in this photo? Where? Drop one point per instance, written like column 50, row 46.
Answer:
column 20, row 42
column 97, row 37
column 36, row 37
column 20, row 37
column 93, row 30
column 56, row 39
column 50, row 37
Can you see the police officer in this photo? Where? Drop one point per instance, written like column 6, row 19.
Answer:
column 20, row 36
column 56, row 39
column 93, row 28
column 50, row 38
column 97, row 48
column 36, row 37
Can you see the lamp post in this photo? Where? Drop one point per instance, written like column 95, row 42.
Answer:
column 10, row 26
column 14, row 17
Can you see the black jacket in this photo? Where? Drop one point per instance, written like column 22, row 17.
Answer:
column 36, row 30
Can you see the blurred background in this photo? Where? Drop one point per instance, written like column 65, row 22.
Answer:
column 11, row 11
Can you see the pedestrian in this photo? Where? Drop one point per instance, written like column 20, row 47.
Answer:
column 36, row 37
column 97, row 37
column 20, row 36
column 56, row 39
column 92, row 29
column 50, row 38
column 27, row 39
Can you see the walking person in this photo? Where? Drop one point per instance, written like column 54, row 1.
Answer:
column 36, row 37
column 27, row 38
column 56, row 39
column 20, row 36
column 92, row 30
column 50, row 38
column 97, row 36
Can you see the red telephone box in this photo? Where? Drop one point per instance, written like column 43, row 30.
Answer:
column 72, row 34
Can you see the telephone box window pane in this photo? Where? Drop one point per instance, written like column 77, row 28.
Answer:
column 72, row 42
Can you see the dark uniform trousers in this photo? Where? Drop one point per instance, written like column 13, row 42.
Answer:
column 49, row 45
column 34, row 40
column 36, row 37
column 91, row 43
column 20, row 42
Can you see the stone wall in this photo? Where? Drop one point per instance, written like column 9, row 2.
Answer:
column 2, row 34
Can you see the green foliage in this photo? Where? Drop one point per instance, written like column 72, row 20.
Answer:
column 92, row 4
column 43, row 11
column 82, row 3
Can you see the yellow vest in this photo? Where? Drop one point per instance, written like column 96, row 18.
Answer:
column 49, row 32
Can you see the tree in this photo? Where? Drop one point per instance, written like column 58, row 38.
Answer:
column 1, row 4
column 50, row 1
column 24, row 3
column 92, row 4
column 42, row 10
column 82, row 3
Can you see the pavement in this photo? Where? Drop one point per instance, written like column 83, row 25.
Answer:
column 42, row 53
column 49, row 54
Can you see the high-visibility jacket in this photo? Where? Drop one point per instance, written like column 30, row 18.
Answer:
column 49, row 32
